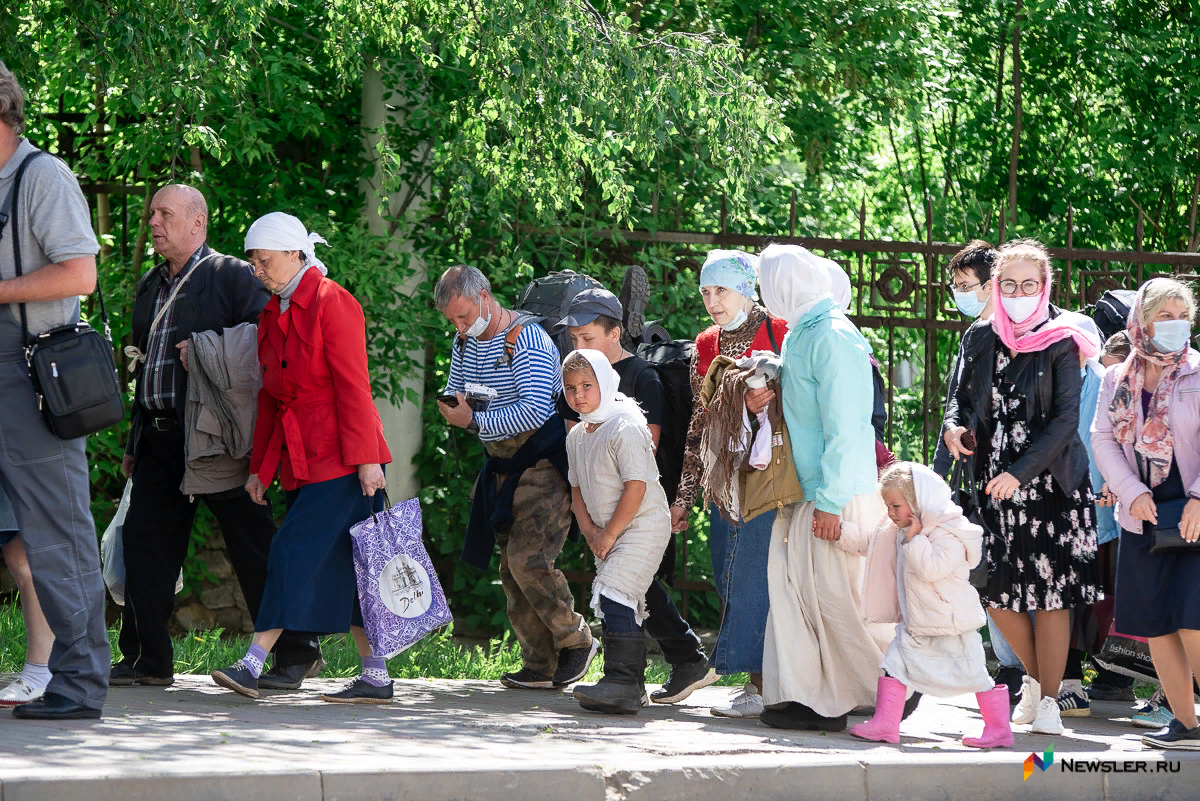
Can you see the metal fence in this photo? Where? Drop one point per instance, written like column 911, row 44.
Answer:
column 899, row 286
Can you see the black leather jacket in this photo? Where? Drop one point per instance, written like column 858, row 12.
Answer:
column 1050, row 379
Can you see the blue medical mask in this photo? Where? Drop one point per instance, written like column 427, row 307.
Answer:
column 969, row 303
column 737, row 322
column 1171, row 336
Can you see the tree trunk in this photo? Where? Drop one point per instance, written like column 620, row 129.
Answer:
column 401, row 423
column 1016, row 138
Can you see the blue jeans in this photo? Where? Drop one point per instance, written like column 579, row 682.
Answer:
column 739, row 556
column 1000, row 647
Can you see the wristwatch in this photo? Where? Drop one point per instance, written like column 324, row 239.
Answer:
column 473, row 426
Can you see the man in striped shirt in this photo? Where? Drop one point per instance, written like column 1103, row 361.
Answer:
column 504, row 379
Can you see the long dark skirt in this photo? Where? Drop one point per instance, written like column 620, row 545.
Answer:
column 310, row 571
column 1157, row 594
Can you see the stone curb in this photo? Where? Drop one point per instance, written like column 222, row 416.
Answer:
column 987, row 777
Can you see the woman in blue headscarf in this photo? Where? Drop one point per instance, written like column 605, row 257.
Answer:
column 739, row 551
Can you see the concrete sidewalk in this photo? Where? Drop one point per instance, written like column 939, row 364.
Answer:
column 444, row 740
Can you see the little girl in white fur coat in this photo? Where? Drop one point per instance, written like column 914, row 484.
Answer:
column 917, row 576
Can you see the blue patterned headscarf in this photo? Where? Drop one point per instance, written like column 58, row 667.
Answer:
column 732, row 269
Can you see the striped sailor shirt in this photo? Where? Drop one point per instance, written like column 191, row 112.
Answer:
column 525, row 390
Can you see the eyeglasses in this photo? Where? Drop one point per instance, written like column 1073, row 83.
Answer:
column 956, row 288
column 1029, row 287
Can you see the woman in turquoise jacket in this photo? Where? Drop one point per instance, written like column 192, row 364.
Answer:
column 820, row 659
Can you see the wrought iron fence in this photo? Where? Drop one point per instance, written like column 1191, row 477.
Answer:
column 901, row 286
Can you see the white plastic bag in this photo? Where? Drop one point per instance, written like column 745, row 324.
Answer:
column 112, row 553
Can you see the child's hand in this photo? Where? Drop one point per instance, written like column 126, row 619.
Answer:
column 913, row 530
column 602, row 543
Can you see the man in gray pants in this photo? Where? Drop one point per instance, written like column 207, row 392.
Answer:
column 48, row 477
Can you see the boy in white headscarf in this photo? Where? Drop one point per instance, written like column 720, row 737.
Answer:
column 820, row 659
column 622, row 512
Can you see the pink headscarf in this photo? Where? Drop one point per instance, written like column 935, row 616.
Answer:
column 1021, row 338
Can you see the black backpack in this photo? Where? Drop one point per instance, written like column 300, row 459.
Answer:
column 673, row 362
column 547, row 299
column 1111, row 311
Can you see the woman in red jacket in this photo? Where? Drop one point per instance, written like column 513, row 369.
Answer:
column 318, row 430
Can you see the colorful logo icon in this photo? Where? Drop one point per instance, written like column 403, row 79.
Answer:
column 1040, row 762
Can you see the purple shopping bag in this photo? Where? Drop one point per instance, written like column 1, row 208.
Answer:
column 401, row 597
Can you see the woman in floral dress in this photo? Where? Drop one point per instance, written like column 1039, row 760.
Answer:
column 1018, row 396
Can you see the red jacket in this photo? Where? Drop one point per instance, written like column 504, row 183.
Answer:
column 708, row 343
column 316, row 420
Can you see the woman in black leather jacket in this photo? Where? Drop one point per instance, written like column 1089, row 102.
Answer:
column 1018, row 395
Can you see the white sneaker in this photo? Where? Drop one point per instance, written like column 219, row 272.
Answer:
column 1027, row 707
column 1049, row 718
column 20, row 692
column 746, row 704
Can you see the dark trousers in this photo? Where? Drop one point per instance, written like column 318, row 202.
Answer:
column 679, row 643
column 156, row 534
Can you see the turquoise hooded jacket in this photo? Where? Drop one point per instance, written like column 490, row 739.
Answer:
column 828, row 398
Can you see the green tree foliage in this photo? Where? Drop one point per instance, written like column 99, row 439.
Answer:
column 509, row 119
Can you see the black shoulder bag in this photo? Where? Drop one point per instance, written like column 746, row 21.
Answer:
column 72, row 366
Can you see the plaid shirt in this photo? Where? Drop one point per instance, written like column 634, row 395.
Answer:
column 157, row 389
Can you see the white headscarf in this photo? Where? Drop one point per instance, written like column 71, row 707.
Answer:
column 280, row 231
column 840, row 281
column 1087, row 325
column 612, row 403
column 933, row 494
column 792, row 281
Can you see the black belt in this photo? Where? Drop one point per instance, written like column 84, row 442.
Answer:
column 162, row 421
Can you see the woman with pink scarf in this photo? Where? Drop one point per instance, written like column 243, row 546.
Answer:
column 1146, row 436
column 1017, row 409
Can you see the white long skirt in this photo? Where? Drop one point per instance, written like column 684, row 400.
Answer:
column 818, row 650
column 941, row 666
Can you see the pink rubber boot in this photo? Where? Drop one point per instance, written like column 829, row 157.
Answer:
column 884, row 727
column 997, row 731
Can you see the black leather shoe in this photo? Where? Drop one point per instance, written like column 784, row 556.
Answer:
column 123, row 674
column 797, row 716
column 52, row 706
column 289, row 677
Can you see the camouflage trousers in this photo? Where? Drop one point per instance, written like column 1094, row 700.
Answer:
column 540, row 606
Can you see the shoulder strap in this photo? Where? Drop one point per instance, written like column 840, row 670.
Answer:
column 12, row 204
column 628, row 383
column 771, row 334
column 510, row 341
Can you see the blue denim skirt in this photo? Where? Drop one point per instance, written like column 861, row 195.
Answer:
column 739, row 555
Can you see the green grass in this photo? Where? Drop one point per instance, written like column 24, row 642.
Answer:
column 438, row 656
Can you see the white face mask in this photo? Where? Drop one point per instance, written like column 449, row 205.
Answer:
column 1021, row 309
column 481, row 324
column 738, row 321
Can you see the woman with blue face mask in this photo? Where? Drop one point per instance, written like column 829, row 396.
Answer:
column 728, row 282
column 1146, row 437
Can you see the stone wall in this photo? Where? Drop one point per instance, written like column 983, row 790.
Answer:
column 217, row 605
